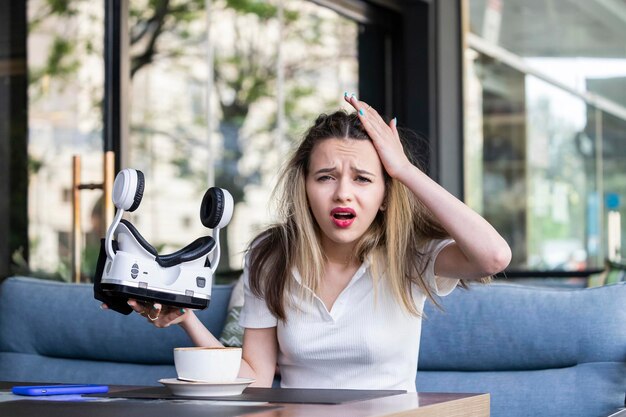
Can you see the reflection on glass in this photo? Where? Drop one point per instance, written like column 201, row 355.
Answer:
column 614, row 173
column 570, row 40
column 246, row 143
column 532, row 156
column 187, row 132
column 544, row 127
column 64, row 116
column 496, row 165
column 562, row 182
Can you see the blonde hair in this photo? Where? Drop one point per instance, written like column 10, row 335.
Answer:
column 397, row 233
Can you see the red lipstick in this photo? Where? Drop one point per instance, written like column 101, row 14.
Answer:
column 342, row 216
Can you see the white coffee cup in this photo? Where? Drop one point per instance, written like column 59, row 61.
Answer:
column 207, row 364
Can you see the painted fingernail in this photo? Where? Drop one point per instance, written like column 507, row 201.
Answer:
column 182, row 311
column 395, row 121
column 361, row 112
column 345, row 94
column 352, row 95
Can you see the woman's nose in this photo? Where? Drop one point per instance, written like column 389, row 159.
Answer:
column 343, row 191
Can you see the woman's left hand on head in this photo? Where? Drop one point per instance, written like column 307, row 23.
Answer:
column 384, row 136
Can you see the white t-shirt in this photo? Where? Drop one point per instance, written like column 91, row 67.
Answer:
column 363, row 342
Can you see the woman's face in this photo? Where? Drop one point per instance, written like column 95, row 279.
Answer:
column 345, row 187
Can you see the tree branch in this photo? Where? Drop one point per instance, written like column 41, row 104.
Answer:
column 156, row 22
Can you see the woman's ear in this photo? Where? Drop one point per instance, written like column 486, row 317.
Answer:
column 383, row 205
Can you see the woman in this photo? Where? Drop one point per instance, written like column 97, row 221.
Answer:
column 335, row 291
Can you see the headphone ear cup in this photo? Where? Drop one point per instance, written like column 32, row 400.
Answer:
column 128, row 189
column 217, row 208
column 141, row 184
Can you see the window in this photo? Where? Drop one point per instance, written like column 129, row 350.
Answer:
column 217, row 97
column 65, row 91
column 274, row 66
column 544, row 129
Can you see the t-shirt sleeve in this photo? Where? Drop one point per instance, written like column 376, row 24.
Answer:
column 441, row 286
column 254, row 313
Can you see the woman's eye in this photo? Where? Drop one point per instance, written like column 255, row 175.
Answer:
column 324, row 178
column 363, row 179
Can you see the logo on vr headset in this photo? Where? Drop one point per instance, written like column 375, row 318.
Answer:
column 130, row 267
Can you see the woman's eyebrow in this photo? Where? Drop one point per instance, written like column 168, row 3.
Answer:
column 325, row 170
column 334, row 169
column 362, row 171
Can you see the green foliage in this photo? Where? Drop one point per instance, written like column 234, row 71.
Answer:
column 53, row 8
column 61, row 7
column 61, row 63
column 262, row 9
column 34, row 165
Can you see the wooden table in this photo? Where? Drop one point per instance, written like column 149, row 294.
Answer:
column 403, row 405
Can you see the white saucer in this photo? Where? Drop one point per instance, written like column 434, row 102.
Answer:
column 206, row 389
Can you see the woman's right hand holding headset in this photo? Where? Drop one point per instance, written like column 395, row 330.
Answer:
column 159, row 315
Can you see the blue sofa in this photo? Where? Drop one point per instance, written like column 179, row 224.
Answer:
column 56, row 332
column 537, row 351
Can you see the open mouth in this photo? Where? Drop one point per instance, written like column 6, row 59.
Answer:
column 343, row 213
column 343, row 216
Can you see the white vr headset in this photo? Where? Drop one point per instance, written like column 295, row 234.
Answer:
column 129, row 267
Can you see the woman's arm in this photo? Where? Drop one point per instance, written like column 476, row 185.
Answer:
column 260, row 355
column 260, row 346
column 259, row 349
column 479, row 250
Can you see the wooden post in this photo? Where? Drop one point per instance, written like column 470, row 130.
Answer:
column 77, row 241
column 107, row 188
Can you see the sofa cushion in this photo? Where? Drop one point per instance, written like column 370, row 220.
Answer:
column 537, row 351
column 64, row 321
column 31, row 368
column 586, row 390
column 504, row 327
